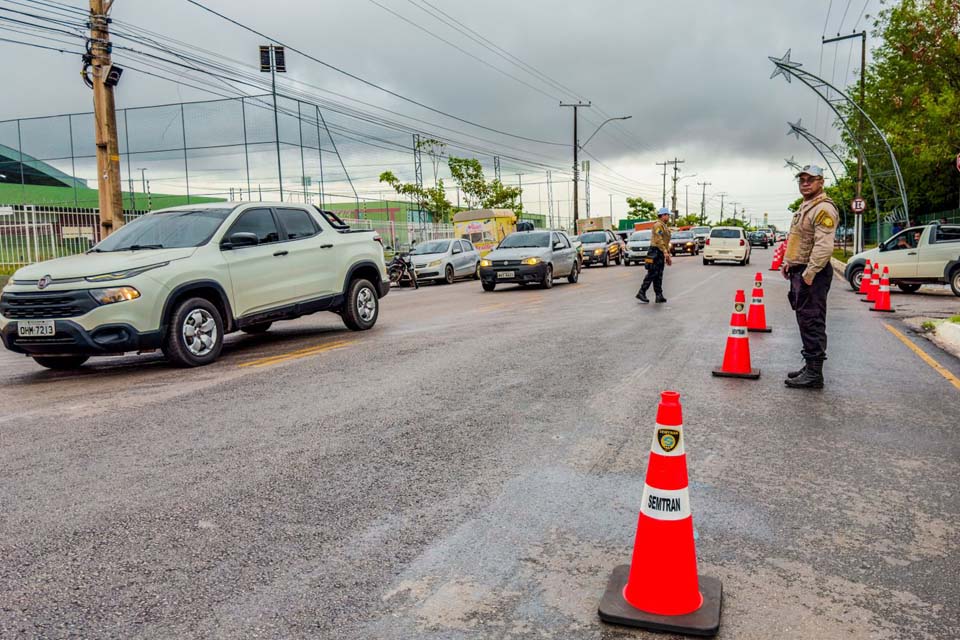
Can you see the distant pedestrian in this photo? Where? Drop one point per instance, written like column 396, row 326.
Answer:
column 657, row 256
column 807, row 265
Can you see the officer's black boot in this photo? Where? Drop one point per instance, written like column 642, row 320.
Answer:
column 642, row 296
column 660, row 298
column 798, row 372
column 811, row 378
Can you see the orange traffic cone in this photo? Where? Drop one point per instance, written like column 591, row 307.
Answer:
column 883, row 293
column 660, row 589
column 874, row 286
column 757, row 314
column 778, row 257
column 865, row 280
column 736, row 357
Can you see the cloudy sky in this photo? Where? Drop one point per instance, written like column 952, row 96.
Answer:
column 693, row 75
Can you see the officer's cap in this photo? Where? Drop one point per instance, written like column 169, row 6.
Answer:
column 811, row 170
column 664, row 212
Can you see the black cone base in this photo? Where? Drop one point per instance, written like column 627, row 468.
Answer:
column 704, row 622
column 884, row 310
column 764, row 330
column 720, row 373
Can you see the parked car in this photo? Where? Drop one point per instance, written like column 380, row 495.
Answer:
column 759, row 239
column 727, row 243
column 446, row 260
column 915, row 256
column 701, row 233
column 530, row 257
column 180, row 279
column 684, row 242
column 600, row 247
column 637, row 247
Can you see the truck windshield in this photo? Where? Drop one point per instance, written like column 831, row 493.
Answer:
column 525, row 239
column 166, row 230
column 587, row 238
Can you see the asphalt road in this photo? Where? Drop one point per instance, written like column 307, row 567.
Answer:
column 472, row 468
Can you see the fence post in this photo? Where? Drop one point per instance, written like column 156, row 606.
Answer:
column 186, row 168
column 246, row 151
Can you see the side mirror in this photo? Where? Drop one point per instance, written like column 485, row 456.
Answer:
column 240, row 239
column 557, row 246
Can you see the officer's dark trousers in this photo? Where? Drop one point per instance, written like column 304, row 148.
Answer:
column 654, row 274
column 810, row 303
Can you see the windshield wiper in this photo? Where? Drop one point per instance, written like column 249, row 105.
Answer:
column 138, row 247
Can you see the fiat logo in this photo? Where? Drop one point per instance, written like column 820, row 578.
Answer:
column 43, row 282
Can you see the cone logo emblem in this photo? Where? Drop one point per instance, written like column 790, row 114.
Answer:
column 668, row 439
column 738, row 307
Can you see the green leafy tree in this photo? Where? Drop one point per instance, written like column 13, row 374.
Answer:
column 689, row 220
column 733, row 222
column 640, row 209
column 430, row 199
column 477, row 192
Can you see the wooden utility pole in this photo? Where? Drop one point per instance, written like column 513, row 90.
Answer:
column 576, row 162
column 104, row 78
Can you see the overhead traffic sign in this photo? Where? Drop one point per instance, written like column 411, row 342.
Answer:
column 858, row 205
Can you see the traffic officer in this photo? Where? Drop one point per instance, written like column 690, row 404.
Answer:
column 807, row 265
column 657, row 255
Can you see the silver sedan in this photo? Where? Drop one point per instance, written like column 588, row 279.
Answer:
column 446, row 260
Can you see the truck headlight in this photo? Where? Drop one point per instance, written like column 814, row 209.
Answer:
column 114, row 294
column 530, row 262
column 486, row 263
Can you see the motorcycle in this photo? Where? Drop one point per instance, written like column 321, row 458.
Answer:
column 401, row 271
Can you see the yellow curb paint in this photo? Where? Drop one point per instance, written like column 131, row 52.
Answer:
column 294, row 355
column 939, row 368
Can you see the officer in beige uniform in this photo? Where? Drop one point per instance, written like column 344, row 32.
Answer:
column 658, row 255
column 807, row 266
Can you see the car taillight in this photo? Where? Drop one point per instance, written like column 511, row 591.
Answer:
column 708, row 241
column 742, row 242
column 377, row 238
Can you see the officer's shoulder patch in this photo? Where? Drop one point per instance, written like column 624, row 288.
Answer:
column 824, row 219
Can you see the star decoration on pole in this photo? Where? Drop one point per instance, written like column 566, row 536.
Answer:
column 791, row 163
column 796, row 128
column 783, row 66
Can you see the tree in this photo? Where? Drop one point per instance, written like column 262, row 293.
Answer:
column 689, row 220
column 733, row 222
column 640, row 209
column 431, row 199
column 478, row 193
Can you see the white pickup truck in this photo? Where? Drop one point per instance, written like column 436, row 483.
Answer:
column 180, row 279
column 915, row 256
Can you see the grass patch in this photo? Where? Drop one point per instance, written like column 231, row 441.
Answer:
column 839, row 255
column 954, row 319
column 928, row 326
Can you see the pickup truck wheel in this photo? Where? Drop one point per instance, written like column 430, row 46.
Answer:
column 955, row 281
column 361, row 308
column 195, row 335
column 489, row 286
column 448, row 275
column 61, row 363
column 257, row 329
column 908, row 288
column 856, row 275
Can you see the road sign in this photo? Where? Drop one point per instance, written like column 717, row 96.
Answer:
column 859, row 205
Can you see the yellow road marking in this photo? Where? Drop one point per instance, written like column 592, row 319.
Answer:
column 294, row 355
column 939, row 368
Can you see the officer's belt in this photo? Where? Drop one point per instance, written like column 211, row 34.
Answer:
column 796, row 267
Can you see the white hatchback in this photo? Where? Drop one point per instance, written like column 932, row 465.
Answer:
column 726, row 243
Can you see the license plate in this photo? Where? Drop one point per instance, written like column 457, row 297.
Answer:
column 722, row 251
column 504, row 274
column 36, row 328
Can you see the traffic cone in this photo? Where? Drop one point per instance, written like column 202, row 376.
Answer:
column 883, row 294
column 756, row 314
column 778, row 257
column 736, row 357
column 865, row 280
column 874, row 286
column 660, row 589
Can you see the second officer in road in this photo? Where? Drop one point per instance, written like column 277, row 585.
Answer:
column 657, row 257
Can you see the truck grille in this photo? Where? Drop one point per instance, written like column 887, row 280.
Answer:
column 45, row 305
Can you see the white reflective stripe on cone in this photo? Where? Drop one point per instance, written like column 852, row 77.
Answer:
column 757, row 301
column 668, row 440
column 738, row 332
column 884, row 287
column 661, row 504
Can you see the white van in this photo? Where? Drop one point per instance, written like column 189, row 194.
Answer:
column 726, row 243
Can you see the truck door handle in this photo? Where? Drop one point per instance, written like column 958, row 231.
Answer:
column 281, row 253
column 326, row 246
column 912, row 253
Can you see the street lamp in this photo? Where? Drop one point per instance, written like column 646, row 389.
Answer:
column 601, row 127
column 143, row 178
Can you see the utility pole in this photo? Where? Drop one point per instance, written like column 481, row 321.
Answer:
column 274, row 60
column 686, row 206
column 496, row 169
column 703, row 201
column 143, row 183
column 676, row 168
column 554, row 221
column 586, row 184
column 104, row 78
column 520, row 186
column 664, row 164
column 611, row 205
column 722, row 196
column 858, row 216
column 734, row 210
column 576, row 161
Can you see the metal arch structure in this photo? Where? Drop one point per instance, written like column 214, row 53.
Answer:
column 879, row 161
column 798, row 130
